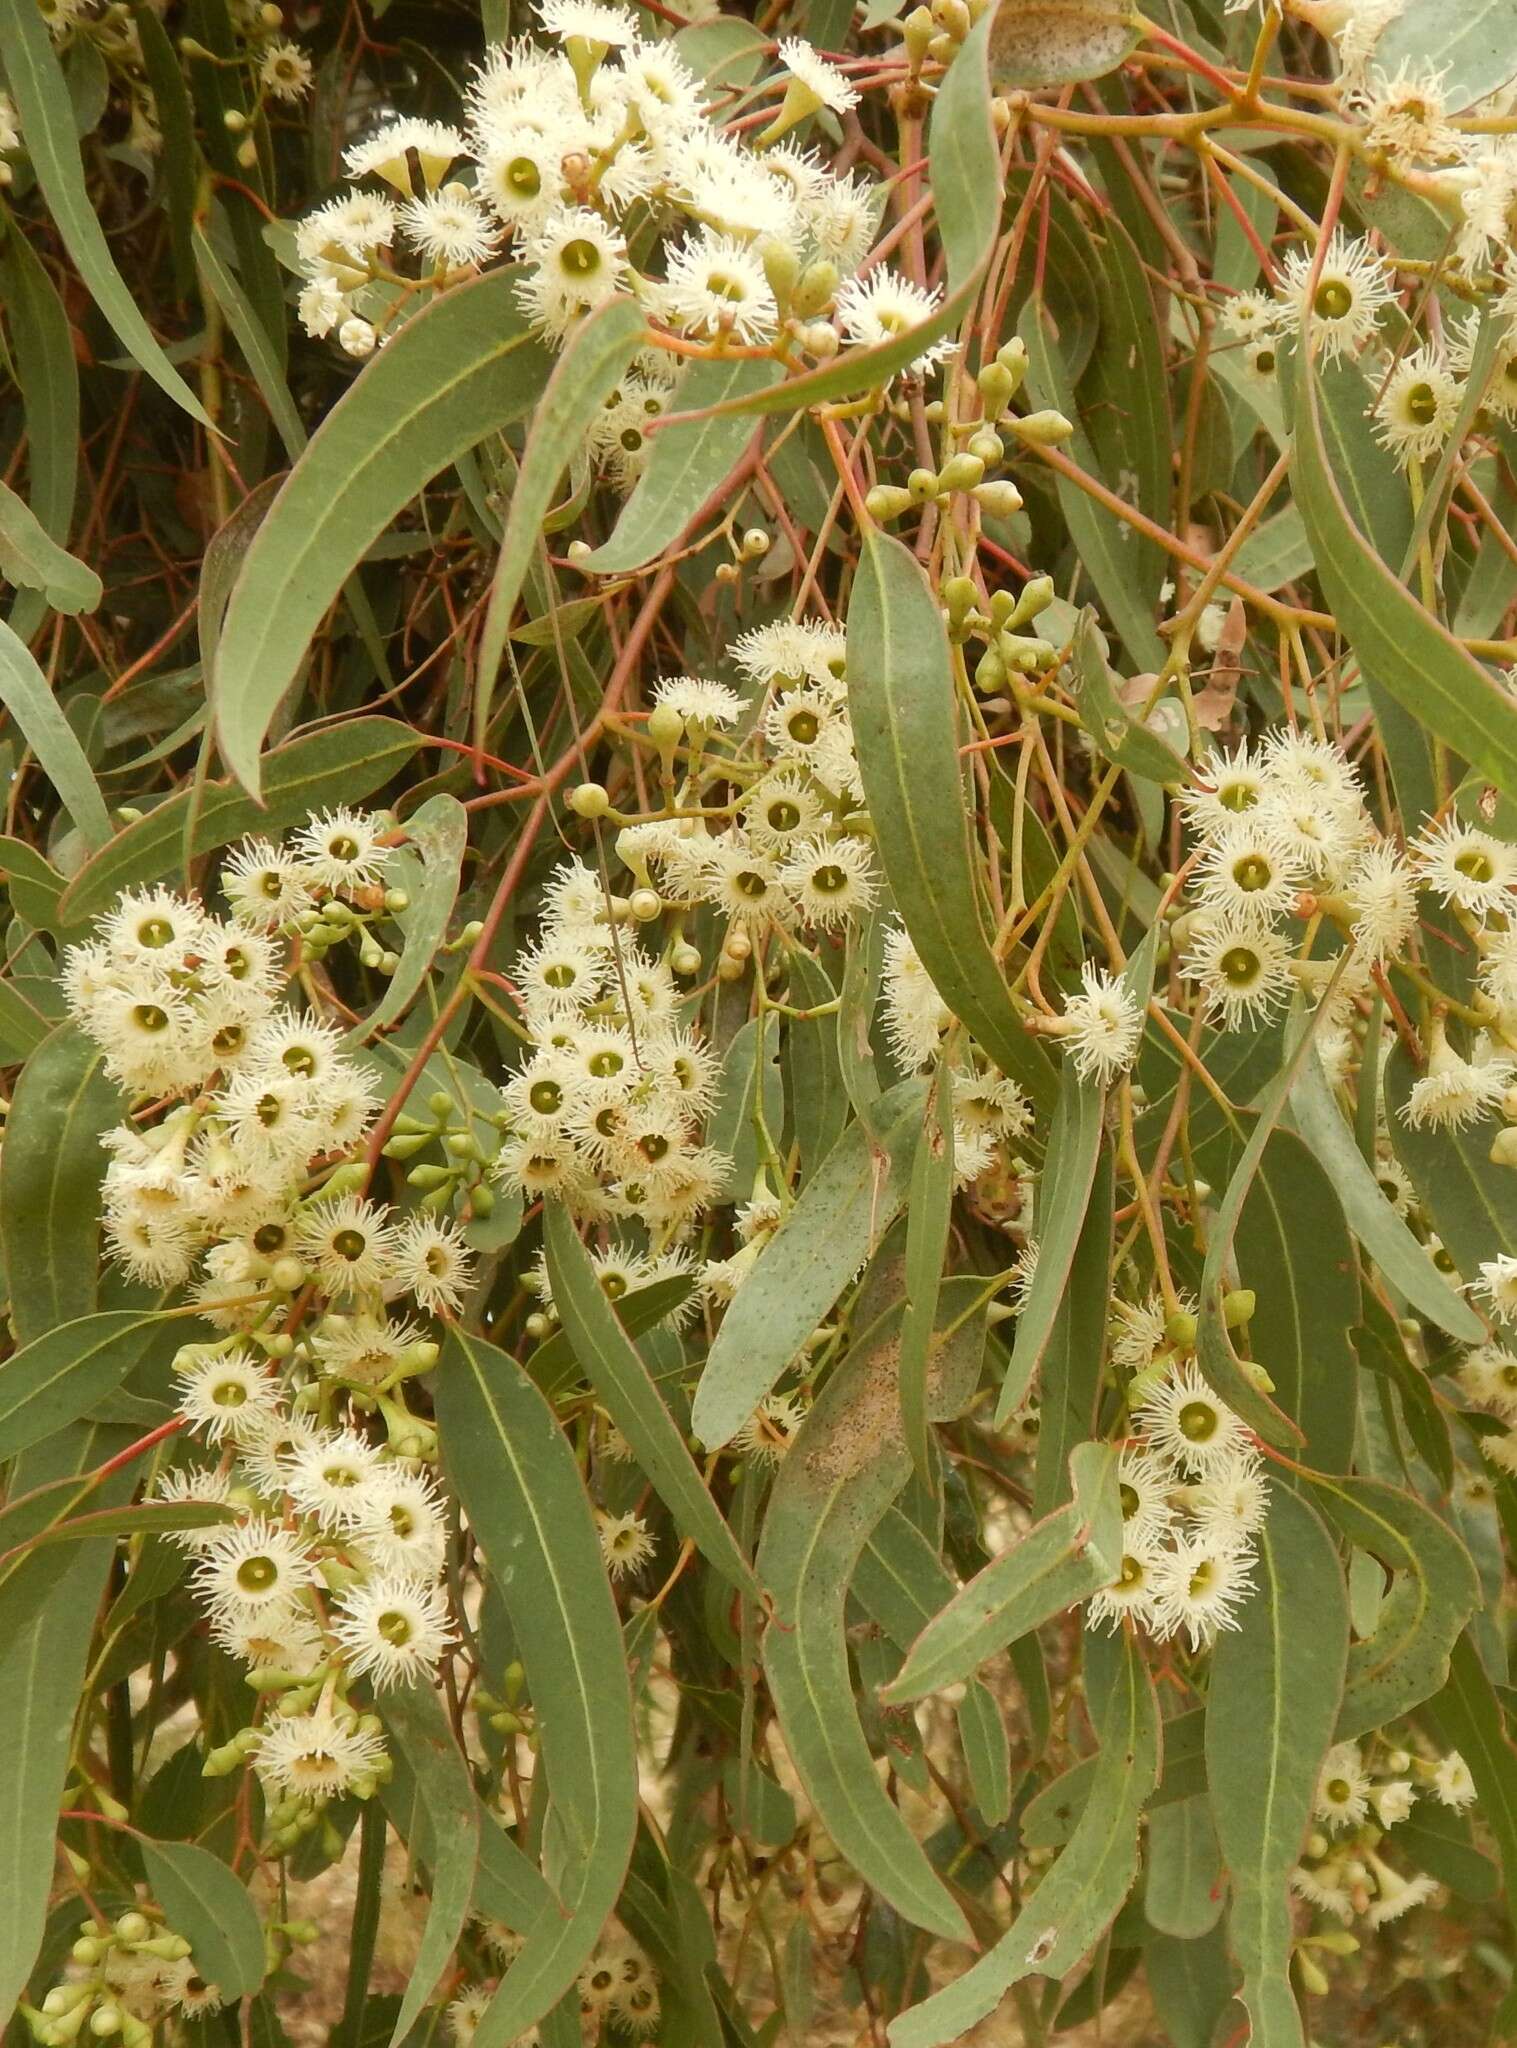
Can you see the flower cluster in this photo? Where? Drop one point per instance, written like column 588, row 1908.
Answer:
column 122, row 1978
column 1363, row 1793
column 1193, row 1496
column 562, row 152
column 618, row 1985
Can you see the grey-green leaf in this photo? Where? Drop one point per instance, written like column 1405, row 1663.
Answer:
column 25, row 694
column 204, row 1901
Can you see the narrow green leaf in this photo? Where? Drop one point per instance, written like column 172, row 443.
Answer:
column 43, row 353
column 25, row 694
column 847, row 1464
column 1400, row 1256
column 846, row 1206
column 929, row 1209
column 1080, row 1896
column 1191, row 1983
column 462, row 369
column 748, row 1087
column 1270, row 1717
column 689, row 460
column 596, row 358
column 43, row 1654
column 1073, row 1364
column 813, row 1074
column 1409, row 652
column 47, row 122
column 520, row 1487
column 1048, row 1821
column 1069, row 1172
column 1063, row 1559
column 339, row 764
column 29, row 556
column 429, row 868
column 1183, row 1895
column 51, row 1168
column 1467, row 1716
column 60, row 1375
column 634, row 1403
column 218, row 283
column 901, row 694
column 1433, row 1594
column 1473, row 49
column 205, row 1902
column 415, row 1720
column 1116, row 733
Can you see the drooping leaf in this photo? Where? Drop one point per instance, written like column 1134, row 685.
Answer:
column 429, row 868
column 31, row 557
column 26, row 696
column 929, row 1206
column 1183, row 1894
column 847, row 1205
column 51, row 1168
column 340, row 764
column 1433, row 1593
column 633, row 1401
column 596, row 357
column 1071, row 1371
column 204, row 1901
column 520, row 1486
column 1271, row 1713
column 901, row 696
column 846, row 1465
column 63, row 1373
column 415, row 1720
column 1409, row 652
column 1081, row 1895
column 462, row 369
column 1037, row 43
column 1074, row 1144
column 1063, row 1559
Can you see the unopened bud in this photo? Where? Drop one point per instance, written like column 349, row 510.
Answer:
column 814, row 288
column 1036, row 597
column 233, row 121
column 820, row 339
column 685, row 960
column 756, row 543
column 1504, row 1147
column 988, row 445
column 1238, row 1307
column 1000, row 498
column 589, row 800
column 1043, row 429
column 922, row 484
column 887, row 502
column 1313, row 1977
column 1180, row 1330
column 666, row 728
column 646, row 904
column 961, row 473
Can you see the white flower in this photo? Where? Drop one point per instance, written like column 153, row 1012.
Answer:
column 521, row 175
column 1350, row 295
column 1102, row 1026
column 791, row 651
column 1184, row 1422
column 1488, row 178
column 1231, row 1503
column 625, row 1544
column 1397, row 1894
column 1249, row 314
column 1406, row 115
column 432, row 1261
column 10, row 127
column 1393, row 1801
column 1383, row 894
column 285, row 71
column 352, row 226
column 842, row 217
column 589, row 20
column 580, row 262
column 883, row 306
column 193, row 1486
column 1455, row 1092
column 698, row 701
column 781, row 810
column 448, row 227
column 1144, row 1483
column 1488, row 1376
column 1466, row 866
column 349, row 1242
column 265, row 885
column 915, row 1015
column 1496, row 1284
column 385, row 153
column 1418, row 406
column 401, row 1528
column 1452, row 1782
column 745, row 884
column 1198, row 1589
column 1243, row 974
column 273, row 1637
column 558, row 975
column 1343, row 1788
column 320, row 1755
column 1318, row 1889
column 1247, row 872
column 831, row 879
column 341, row 849
column 256, row 1565
column 269, row 1120
column 224, row 1393
column 393, row 1629
column 715, row 284
column 821, row 82
column 1231, row 784
column 1133, row 1593
column 331, row 1476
